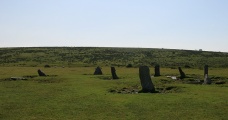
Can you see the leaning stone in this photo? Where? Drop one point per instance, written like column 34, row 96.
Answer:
column 98, row 71
column 41, row 73
column 182, row 74
column 145, row 79
column 113, row 71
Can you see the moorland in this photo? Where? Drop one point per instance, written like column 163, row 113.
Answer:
column 71, row 91
column 92, row 56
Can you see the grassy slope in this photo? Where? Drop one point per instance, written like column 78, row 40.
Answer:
column 110, row 56
column 77, row 94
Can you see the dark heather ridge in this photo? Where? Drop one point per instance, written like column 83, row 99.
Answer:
column 105, row 56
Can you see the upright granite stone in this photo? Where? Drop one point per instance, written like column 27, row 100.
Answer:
column 145, row 79
column 207, row 80
column 205, row 70
column 157, row 70
column 182, row 74
column 113, row 71
column 98, row 71
column 41, row 73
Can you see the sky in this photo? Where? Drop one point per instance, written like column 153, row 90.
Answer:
column 173, row 24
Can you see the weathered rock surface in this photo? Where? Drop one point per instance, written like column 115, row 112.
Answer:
column 207, row 80
column 113, row 71
column 205, row 70
column 182, row 74
column 157, row 70
column 41, row 73
column 145, row 79
column 98, row 71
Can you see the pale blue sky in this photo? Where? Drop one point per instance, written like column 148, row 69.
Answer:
column 175, row 24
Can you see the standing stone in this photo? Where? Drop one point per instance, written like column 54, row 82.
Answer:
column 41, row 73
column 182, row 74
column 113, row 71
column 145, row 79
column 207, row 80
column 98, row 71
column 205, row 70
column 157, row 70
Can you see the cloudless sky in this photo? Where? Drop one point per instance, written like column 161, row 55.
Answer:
column 175, row 24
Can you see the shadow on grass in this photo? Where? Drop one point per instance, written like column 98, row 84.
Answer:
column 39, row 79
column 137, row 90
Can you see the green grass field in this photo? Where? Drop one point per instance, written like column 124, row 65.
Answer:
column 75, row 93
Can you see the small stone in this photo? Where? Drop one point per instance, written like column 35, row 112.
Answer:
column 41, row 73
column 98, row 71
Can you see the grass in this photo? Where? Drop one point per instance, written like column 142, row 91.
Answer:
column 75, row 93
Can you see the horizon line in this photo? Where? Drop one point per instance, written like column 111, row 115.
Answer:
column 109, row 47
